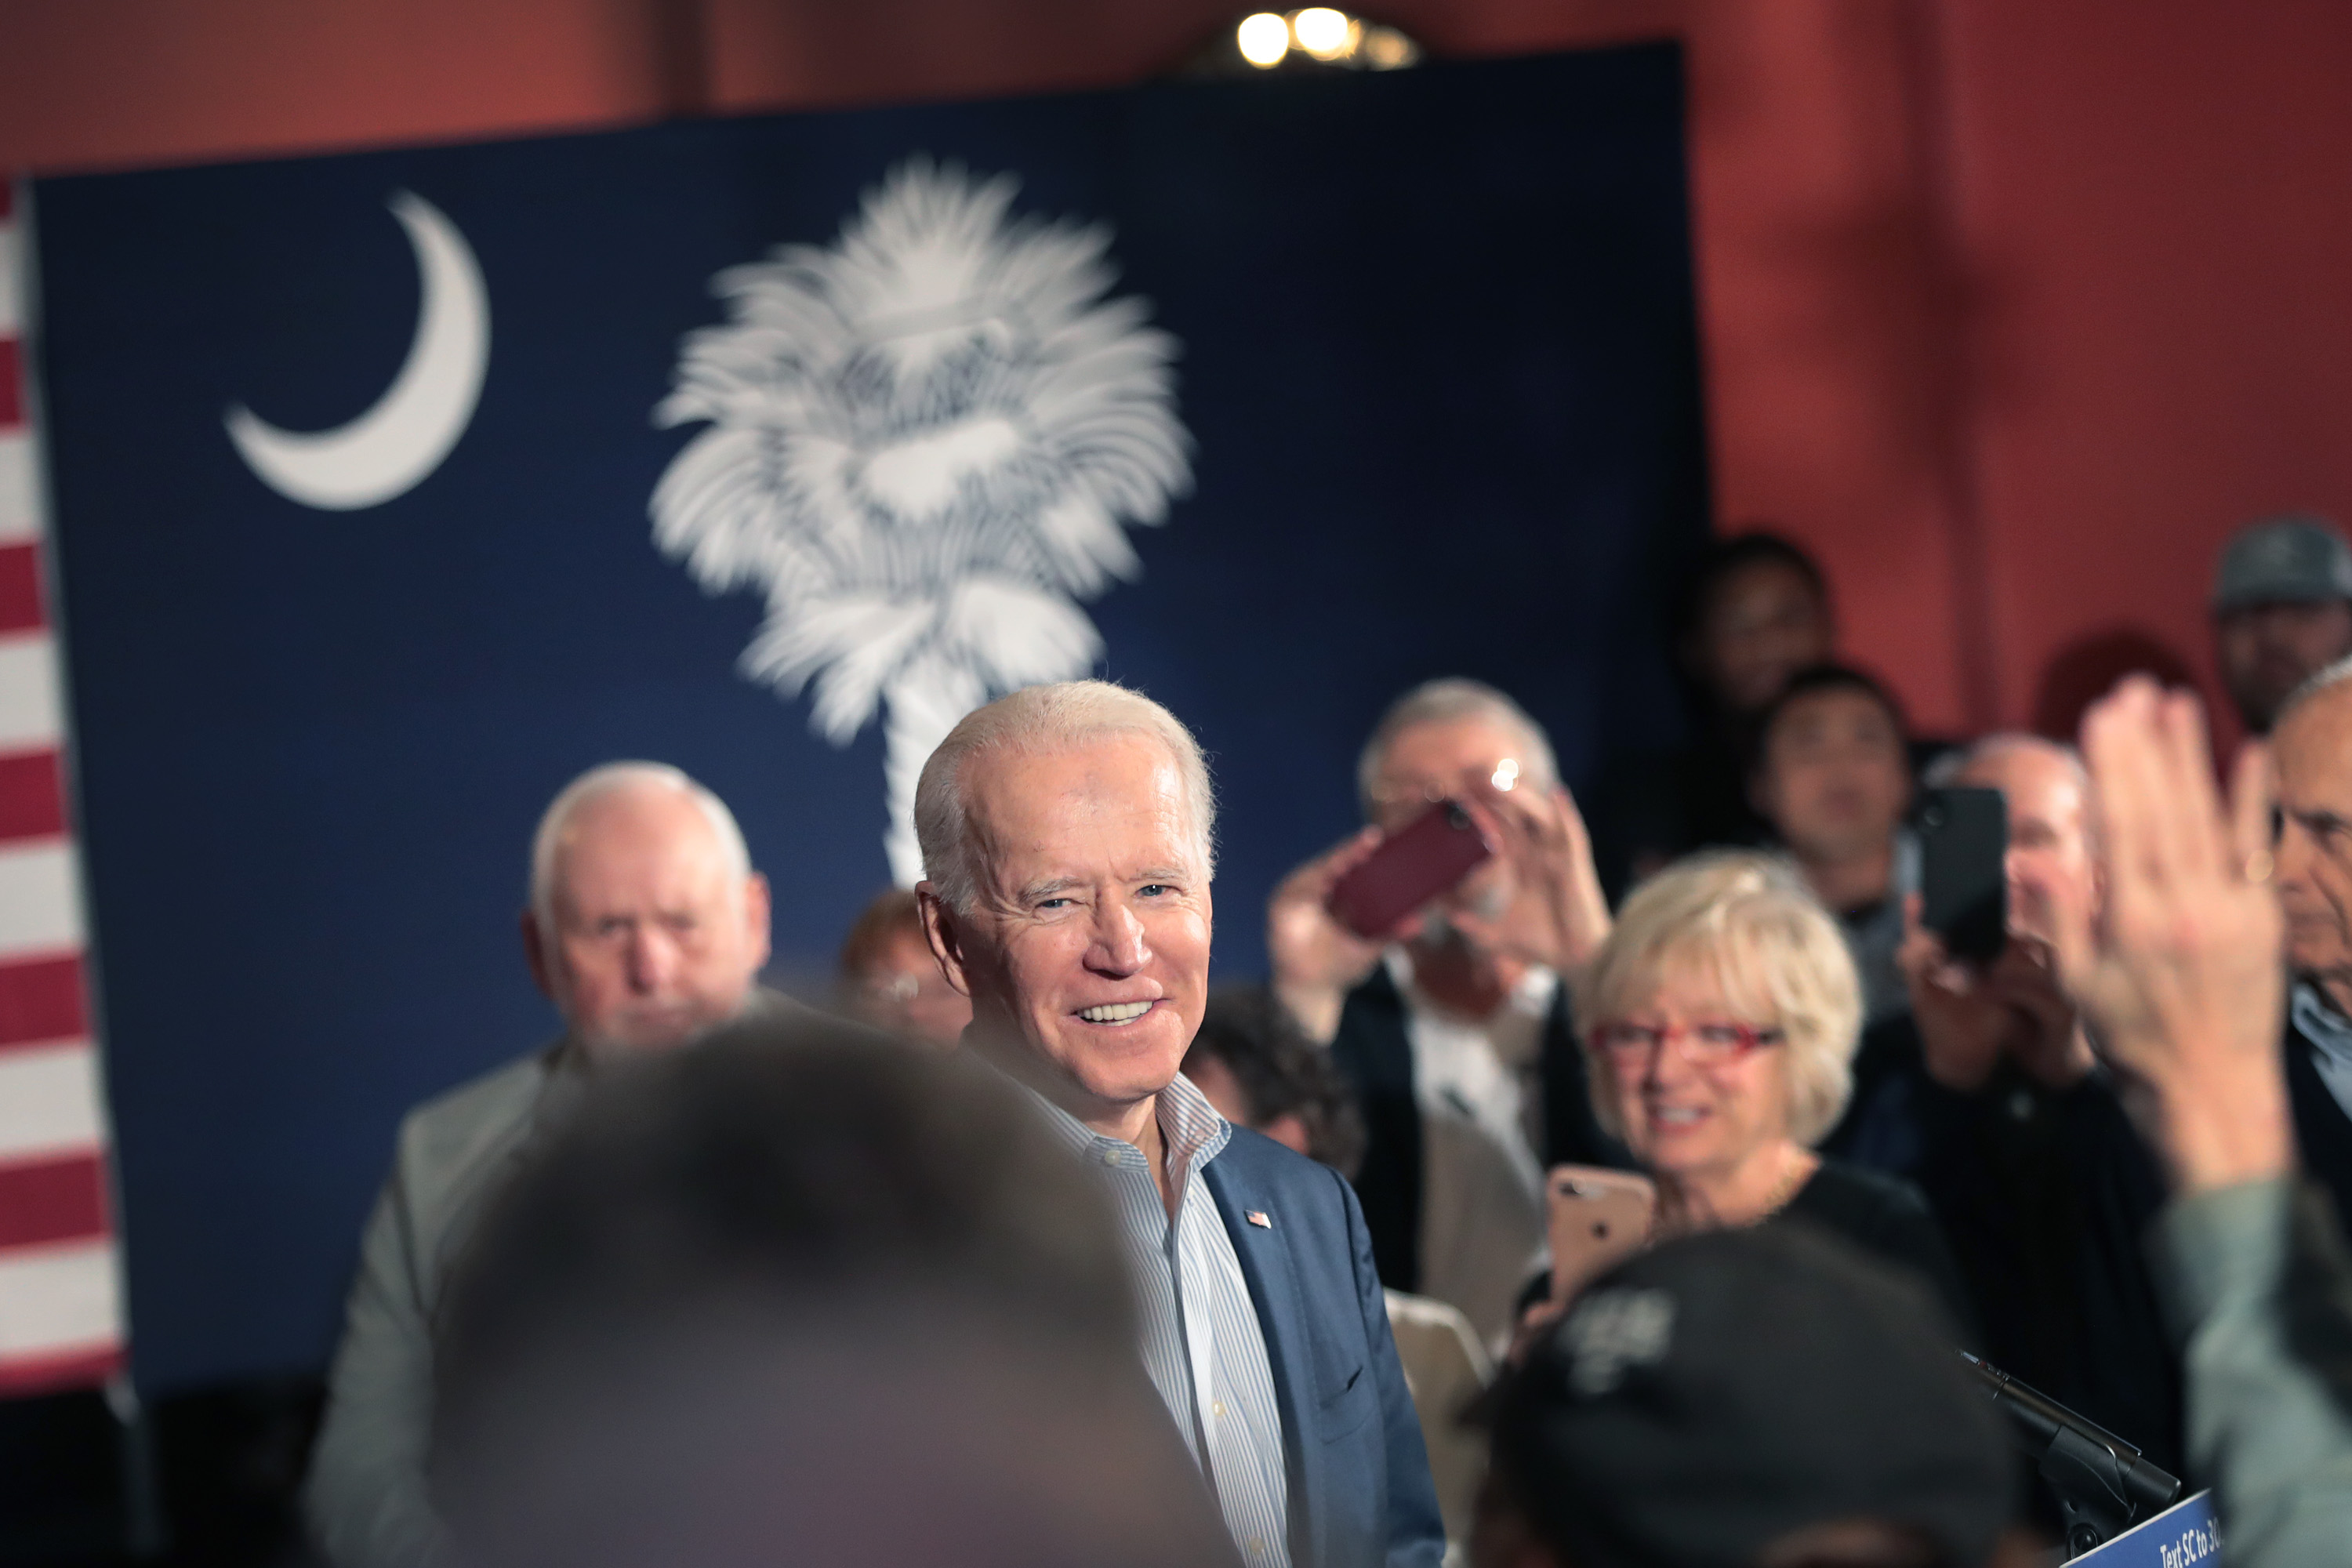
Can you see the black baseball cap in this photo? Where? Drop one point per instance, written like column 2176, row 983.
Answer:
column 1724, row 1391
column 2299, row 558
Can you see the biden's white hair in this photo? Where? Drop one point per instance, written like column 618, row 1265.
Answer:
column 1063, row 717
column 1450, row 700
column 613, row 778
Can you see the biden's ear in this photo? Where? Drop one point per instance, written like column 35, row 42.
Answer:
column 944, row 936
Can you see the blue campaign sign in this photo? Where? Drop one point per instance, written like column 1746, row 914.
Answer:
column 393, row 490
column 2185, row 1535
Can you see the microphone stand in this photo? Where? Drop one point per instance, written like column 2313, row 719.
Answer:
column 2102, row 1484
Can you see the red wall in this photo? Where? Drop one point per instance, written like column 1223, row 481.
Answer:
column 2011, row 310
column 2158, row 237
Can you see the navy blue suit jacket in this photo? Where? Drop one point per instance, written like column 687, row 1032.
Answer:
column 1361, row 1492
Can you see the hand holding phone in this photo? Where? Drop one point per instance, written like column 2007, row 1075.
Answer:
column 1558, row 916
column 1599, row 1218
column 1420, row 861
column 1963, row 871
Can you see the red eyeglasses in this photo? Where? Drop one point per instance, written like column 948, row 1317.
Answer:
column 1711, row 1042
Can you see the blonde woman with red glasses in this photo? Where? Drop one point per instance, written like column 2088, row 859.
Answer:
column 1720, row 1019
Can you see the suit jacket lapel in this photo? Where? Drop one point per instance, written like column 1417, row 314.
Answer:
column 1273, row 1282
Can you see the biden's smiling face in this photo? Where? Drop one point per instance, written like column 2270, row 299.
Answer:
column 1089, row 941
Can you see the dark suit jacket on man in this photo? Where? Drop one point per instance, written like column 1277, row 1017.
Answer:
column 1359, row 1486
column 2323, row 1133
column 1374, row 1052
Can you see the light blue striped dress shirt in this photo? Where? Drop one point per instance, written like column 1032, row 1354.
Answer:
column 1201, row 1342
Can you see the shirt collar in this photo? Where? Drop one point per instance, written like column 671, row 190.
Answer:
column 1189, row 1125
column 2320, row 1023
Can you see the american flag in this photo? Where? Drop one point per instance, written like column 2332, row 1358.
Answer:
column 60, row 1293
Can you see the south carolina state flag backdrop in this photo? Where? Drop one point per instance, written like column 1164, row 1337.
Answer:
column 389, row 490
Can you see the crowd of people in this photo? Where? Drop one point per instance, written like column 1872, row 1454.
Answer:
column 1034, row 1247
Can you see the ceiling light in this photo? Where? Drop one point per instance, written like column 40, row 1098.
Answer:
column 1263, row 40
column 1322, row 32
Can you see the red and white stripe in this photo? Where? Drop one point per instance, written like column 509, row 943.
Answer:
column 61, row 1288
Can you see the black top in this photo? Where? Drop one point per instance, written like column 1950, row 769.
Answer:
column 1883, row 1217
column 2045, row 1197
column 2323, row 1133
column 1891, row 1111
column 1886, row 1217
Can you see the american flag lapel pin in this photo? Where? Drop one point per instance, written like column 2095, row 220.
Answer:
column 1257, row 1217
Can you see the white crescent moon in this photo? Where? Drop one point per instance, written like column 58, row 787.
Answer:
column 388, row 449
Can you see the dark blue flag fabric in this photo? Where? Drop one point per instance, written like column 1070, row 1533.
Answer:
column 390, row 490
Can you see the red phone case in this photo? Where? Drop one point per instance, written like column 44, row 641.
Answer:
column 1413, row 864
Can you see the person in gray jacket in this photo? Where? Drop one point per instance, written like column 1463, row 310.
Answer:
column 646, row 926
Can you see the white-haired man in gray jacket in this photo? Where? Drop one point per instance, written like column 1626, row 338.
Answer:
column 646, row 926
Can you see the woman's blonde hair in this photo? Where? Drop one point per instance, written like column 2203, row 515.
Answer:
column 1745, row 923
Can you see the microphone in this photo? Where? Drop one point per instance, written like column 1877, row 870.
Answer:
column 2102, row 1485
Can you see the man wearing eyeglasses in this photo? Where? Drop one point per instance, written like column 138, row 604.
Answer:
column 2310, row 756
column 1454, row 1031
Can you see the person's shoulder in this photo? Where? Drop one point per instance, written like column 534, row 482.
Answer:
column 447, row 1131
column 507, row 1085
column 1261, row 1156
column 1258, row 1159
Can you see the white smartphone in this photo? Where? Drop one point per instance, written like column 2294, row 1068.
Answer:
column 1599, row 1218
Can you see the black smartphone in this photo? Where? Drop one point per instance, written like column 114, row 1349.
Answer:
column 1963, row 879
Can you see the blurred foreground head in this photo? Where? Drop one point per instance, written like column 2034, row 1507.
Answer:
column 803, row 1294
column 1757, row 1399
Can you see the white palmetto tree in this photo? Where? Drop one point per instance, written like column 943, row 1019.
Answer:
column 925, row 442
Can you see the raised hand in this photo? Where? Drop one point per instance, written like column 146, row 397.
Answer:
column 1316, row 959
column 2181, row 977
column 1558, row 915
